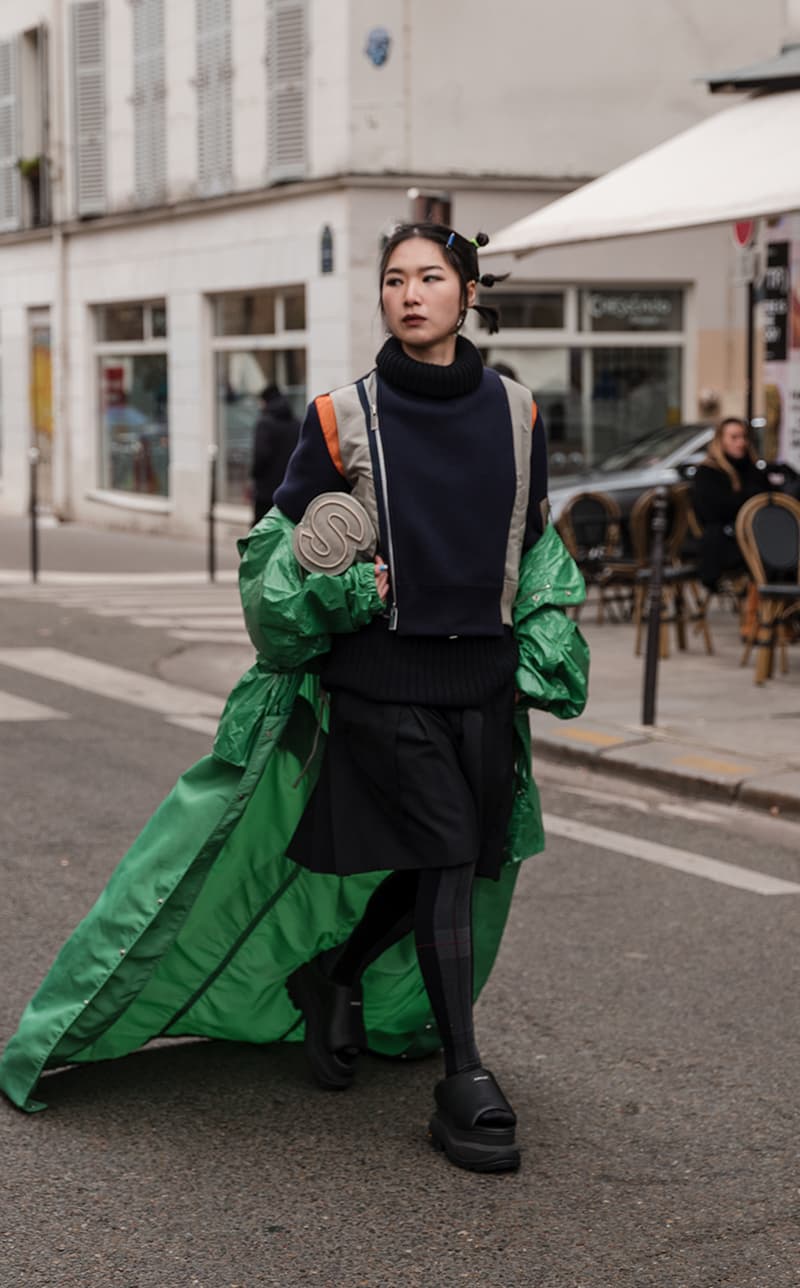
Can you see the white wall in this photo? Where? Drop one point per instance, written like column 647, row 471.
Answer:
column 565, row 90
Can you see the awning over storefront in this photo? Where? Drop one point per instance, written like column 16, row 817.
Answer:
column 740, row 163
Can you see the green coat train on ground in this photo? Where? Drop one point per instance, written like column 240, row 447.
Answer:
column 205, row 916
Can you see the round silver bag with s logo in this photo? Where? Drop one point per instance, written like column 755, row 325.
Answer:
column 334, row 533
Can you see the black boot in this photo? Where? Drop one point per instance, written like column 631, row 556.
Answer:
column 334, row 1023
column 474, row 1123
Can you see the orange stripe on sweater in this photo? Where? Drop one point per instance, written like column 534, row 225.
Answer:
column 534, row 413
column 327, row 419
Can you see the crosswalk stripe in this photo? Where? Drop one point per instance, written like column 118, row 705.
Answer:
column 112, row 682
column 20, row 578
column 696, row 865
column 212, row 637
column 229, row 623
column 14, row 708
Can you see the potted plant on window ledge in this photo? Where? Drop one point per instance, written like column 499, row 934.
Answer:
column 30, row 169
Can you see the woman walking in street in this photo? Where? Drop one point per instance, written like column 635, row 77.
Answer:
column 348, row 862
column 418, row 773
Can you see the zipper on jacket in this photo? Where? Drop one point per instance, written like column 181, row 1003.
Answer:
column 375, row 429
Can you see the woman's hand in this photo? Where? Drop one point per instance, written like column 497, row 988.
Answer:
column 382, row 578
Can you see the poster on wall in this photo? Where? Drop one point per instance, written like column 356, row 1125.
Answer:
column 781, row 312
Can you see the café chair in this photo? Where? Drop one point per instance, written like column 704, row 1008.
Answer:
column 768, row 533
column 589, row 526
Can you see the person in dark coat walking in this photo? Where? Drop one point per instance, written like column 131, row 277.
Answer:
column 274, row 440
column 727, row 478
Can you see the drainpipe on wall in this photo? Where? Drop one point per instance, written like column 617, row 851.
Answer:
column 62, row 474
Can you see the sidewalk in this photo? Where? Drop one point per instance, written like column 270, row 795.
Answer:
column 98, row 554
column 717, row 733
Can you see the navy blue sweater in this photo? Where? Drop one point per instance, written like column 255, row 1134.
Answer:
column 448, row 444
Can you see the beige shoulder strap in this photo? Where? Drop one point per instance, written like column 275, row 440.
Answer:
column 353, row 444
column 523, row 415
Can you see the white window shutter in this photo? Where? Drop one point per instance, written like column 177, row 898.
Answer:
column 9, row 138
column 214, row 97
column 88, row 68
column 286, row 89
column 149, row 101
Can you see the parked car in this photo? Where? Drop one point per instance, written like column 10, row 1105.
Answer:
column 662, row 457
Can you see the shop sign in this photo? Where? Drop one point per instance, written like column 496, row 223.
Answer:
column 776, row 301
column 634, row 310
column 782, row 343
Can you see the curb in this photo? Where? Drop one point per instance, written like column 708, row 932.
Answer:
column 767, row 799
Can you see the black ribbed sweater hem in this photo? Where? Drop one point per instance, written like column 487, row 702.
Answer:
column 436, row 671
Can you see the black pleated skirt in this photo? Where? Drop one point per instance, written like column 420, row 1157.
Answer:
column 405, row 787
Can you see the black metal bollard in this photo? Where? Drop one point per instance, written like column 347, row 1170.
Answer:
column 212, row 505
column 33, row 505
column 658, row 528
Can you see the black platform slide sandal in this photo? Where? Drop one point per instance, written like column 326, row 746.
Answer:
column 334, row 1024
column 462, row 1101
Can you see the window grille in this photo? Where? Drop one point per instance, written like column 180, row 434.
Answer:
column 214, row 97
column 286, row 88
column 88, row 70
column 9, row 138
column 149, row 101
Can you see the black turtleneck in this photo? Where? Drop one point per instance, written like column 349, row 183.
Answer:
column 446, row 433
column 427, row 379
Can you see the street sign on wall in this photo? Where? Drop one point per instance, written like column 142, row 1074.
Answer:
column 744, row 232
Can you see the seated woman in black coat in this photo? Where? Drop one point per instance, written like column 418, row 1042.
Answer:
column 727, row 478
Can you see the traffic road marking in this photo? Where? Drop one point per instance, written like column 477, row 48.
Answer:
column 14, row 708
column 112, row 682
column 696, row 865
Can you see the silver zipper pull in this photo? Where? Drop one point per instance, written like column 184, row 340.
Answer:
column 393, row 618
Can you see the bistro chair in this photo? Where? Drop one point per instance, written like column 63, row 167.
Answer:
column 589, row 526
column 768, row 532
column 683, row 600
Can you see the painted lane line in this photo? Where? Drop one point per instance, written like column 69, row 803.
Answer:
column 14, row 708
column 696, row 865
column 112, row 682
column 240, row 638
column 197, row 724
column 227, row 623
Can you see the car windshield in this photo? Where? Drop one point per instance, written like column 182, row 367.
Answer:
column 650, row 450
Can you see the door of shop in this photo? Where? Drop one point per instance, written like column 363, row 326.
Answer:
column 41, row 400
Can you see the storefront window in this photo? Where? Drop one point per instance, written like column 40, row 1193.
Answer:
column 539, row 310
column 133, row 398
column 633, row 391
column 595, row 392
column 252, row 313
column 245, row 362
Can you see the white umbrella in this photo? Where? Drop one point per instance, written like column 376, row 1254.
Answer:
column 740, row 163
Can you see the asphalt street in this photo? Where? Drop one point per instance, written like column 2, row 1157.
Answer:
column 642, row 1018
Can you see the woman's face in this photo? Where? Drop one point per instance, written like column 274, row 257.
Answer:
column 733, row 439
column 421, row 300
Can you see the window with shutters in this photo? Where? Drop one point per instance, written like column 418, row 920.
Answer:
column 149, row 101
column 214, row 97
column 89, row 114
column 9, row 138
column 286, row 88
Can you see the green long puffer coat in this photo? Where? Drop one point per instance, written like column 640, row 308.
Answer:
column 205, row 916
